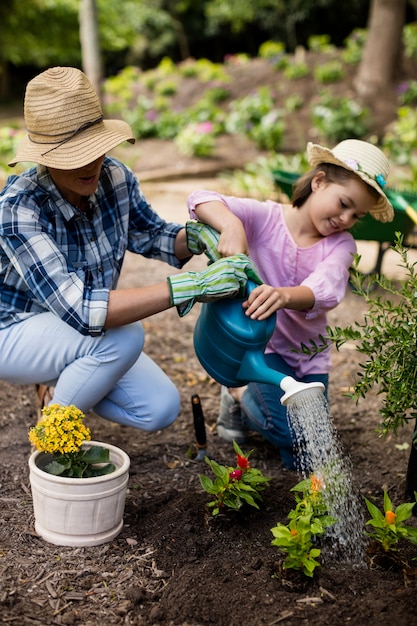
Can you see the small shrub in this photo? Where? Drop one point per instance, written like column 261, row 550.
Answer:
column 296, row 70
column 331, row 72
column 354, row 44
column 320, row 43
column 293, row 103
column 196, row 139
column 386, row 336
column 410, row 40
column 271, row 50
column 340, row 118
column 166, row 87
column 407, row 93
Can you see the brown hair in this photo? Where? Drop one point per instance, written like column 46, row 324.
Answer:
column 333, row 174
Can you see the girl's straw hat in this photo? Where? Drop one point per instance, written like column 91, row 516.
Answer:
column 366, row 161
column 64, row 122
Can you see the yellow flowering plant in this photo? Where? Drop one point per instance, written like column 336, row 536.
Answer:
column 388, row 525
column 61, row 433
column 308, row 521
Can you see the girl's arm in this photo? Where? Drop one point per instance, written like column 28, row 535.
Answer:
column 232, row 234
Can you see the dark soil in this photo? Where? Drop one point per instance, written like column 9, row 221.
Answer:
column 173, row 564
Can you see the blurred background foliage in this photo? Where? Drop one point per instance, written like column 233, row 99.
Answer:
column 39, row 33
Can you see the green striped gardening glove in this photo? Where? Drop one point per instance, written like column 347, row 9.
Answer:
column 225, row 278
column 202, row 238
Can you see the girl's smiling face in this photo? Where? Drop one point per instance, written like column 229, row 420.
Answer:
column 334, row 207
column 74, row 185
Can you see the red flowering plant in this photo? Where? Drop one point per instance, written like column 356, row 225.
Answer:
column 234, row 486
column 388, row 526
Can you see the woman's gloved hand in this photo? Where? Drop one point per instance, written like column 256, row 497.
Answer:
column 225, row 278
column 202, row 238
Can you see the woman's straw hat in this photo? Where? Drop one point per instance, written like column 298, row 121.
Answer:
column 64, row 122
column 366, row 161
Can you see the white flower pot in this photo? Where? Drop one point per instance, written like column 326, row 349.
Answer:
column 79, row 511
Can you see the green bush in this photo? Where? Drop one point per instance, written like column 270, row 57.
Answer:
column 320, row 43
column 331, row 72
column 271, row 50
column 296, row 70
column 340, row 118
column 354, row 44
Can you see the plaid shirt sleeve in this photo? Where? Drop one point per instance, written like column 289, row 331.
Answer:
column 53, row 258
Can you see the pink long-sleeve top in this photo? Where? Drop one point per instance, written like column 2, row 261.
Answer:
column 323, row 267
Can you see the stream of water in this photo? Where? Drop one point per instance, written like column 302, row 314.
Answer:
column 319, row 451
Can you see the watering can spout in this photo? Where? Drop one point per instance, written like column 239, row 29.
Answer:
column 254, row 368
column 293, row 388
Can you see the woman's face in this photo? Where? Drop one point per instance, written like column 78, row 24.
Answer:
column 76, row 184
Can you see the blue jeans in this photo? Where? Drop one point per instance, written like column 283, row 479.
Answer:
column 264, row 413
column 108, row 374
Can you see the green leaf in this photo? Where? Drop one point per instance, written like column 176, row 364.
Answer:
column 206, row 483
column 57, row 469
column 103, row 470
column 96, row 454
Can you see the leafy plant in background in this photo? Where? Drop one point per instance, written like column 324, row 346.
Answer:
column 234, row 486
column 296, row 69
column 387, row 337
column 320, row 43
column 203, row 69
column 257, row 117
column 293, row 103
column 354, row 45
column 273, row 51
column 9, row 140
column 255, row 178
column 331, row 72
column 409, row 37
column 196, row 139
column 269, row 133
column 400, row 143
column 407, row 93
column 340, row 118
column 308, row 522
column 388, row 526
column 248, row 111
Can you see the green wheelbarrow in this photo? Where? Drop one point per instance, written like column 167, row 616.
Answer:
column 369, row 229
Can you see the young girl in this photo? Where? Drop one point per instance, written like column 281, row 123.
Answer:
column 303, row 252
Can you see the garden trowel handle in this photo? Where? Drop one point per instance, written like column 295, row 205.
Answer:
column 199, row 426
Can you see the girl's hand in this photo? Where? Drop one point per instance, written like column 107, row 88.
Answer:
column 263, row 301
column 233, row 241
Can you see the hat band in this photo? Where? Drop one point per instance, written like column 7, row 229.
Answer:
column 61, row 142
column 356, row 166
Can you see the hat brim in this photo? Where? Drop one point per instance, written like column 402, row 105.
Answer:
column 82, row 149
column 382, row 210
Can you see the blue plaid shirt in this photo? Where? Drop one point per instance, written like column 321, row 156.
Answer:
column 54, row 258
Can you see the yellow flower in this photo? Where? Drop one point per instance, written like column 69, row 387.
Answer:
column 390, row 517
column 316, row 484
column 61, row 430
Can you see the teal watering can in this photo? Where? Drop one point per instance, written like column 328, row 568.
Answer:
column 230, row 346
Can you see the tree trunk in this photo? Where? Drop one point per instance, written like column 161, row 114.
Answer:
column 90, row 47
column 382, row 49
